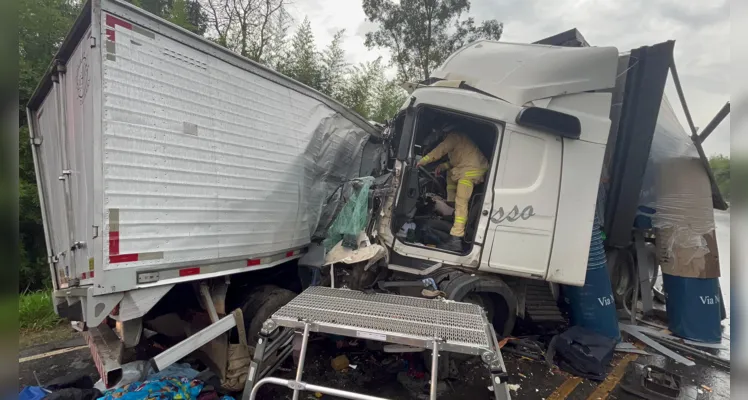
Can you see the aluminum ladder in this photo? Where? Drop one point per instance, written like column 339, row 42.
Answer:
column 435, row 324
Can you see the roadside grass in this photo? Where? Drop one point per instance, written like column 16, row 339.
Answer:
column 35, row 312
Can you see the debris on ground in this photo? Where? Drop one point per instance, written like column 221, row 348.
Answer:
column 625, row 347
column 340, row 363
column 652, row 382
column 512, row 387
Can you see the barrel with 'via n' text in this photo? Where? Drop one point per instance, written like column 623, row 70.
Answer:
column 694, row 308
column 592, row 306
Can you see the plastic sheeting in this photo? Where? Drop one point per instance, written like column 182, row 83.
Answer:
column 333, row 157
column 677, row 187
column 351, row 219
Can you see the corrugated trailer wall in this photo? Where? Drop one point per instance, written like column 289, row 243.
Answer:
column 204, row 158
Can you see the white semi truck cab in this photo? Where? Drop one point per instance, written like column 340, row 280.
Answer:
column 540, row 115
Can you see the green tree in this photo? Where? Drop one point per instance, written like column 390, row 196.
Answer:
column 333, row 67
column 421, row 34
column 721, row 168
column 304, row 59
column 42, row 25
column 389, row 98
column 275, row 54
column 247, row 27
column 186, row 13
column 33, row 271
column 361, row 83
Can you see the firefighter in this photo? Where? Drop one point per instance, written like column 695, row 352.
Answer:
column 466, row 167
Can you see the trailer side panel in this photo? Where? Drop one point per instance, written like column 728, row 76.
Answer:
column 206, row 162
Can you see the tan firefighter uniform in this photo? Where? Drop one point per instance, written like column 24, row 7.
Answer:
column 467, row 166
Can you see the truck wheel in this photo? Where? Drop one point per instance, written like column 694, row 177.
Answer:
column 260, row 305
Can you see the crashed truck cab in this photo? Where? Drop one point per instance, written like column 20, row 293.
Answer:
column 540, row 115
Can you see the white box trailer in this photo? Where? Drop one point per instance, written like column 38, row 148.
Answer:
column 162, row 157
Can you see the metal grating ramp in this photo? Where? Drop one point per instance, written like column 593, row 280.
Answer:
column 461, row 325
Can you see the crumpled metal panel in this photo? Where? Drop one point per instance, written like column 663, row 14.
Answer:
column 206, row 161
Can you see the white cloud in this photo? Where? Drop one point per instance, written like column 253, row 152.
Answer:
column 701, row 31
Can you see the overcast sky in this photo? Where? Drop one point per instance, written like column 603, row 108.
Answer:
column 701, row 30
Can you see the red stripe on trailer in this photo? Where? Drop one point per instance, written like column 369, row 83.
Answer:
column 113, row 21
column 120, row 258
column 290, row 254
column 90, row 274
column 189, row 271
column 252, row 263
column 113, row 243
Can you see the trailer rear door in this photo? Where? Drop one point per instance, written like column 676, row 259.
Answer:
column 63, row 135
column 77, row 86
column 48, row 150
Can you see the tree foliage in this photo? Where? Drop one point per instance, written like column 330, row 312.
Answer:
column 361, row 87
column 248, row 27
column 421, row 34
column 42, row 25
column 304, row 59
column 186, row 13
column 333, row 67
column 721, row 168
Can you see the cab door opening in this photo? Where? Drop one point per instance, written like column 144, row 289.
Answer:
column 420, row 219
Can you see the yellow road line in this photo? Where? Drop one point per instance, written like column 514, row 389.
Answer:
column 611, row 381
column 565, row 389
column 51, row 353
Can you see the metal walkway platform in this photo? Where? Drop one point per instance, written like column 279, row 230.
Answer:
column 438, row 325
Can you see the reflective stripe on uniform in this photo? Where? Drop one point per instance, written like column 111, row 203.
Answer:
column 460, row 220
column 451, row 185
column 465, row 182
column 475, row 173
column 425, row 158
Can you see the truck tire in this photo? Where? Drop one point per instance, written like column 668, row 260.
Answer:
column 481, row 289
column 491, row 293
column 260, row 305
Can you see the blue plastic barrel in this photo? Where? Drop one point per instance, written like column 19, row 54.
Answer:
column 693, row 308
column 592, row 306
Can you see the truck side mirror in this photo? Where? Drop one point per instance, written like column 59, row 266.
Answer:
column 550, row 121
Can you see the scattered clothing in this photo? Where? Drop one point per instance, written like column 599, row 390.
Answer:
column 182, row 370
column 159, row 389
column 162, row 388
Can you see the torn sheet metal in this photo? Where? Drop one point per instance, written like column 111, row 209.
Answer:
column 625, row 347
column 655, row 332
column 633, row 331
